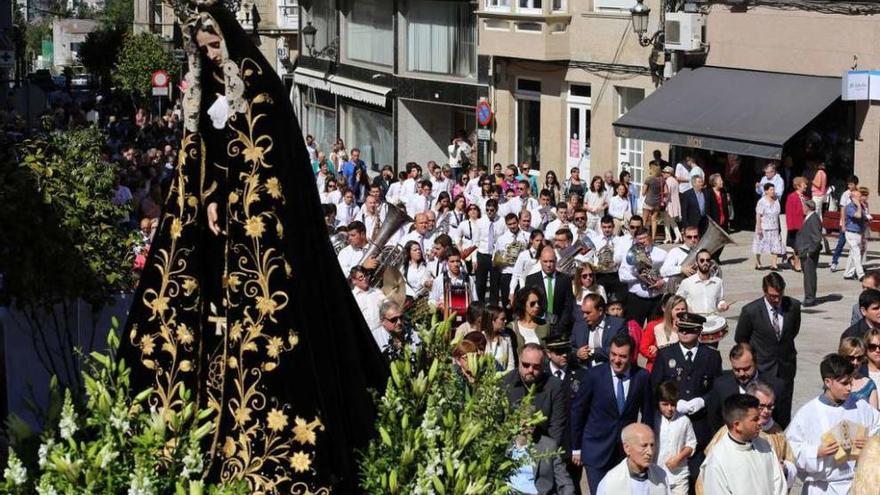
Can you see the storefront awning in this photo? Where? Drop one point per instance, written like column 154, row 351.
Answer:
column 342, row 86
column 745, row 112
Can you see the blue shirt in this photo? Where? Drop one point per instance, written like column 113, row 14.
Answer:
column 701, row 201
column 853, row 224
column 348, row 170
column 523, row 480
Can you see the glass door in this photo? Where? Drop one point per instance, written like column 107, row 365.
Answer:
column 578, row 142
column 630, row 151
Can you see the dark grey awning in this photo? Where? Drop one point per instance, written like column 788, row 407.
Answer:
column 730, row 110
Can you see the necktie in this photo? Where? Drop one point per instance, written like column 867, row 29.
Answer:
column 689, row 357
column 491, row 236
column 621, row 395
column 351, row 212
column 774, row 319
column 558, row 374
column 427, row 203
column 549, row 294
column 376, row 224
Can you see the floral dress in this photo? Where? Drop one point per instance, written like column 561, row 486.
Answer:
column 771, row 241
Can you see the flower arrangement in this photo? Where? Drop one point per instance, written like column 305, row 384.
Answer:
column 441, row 430
column 116, row 445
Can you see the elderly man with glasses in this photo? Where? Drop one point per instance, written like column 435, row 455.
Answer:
column 391, row 335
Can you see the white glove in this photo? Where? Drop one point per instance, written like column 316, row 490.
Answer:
column 682, row 406
column 695, row 404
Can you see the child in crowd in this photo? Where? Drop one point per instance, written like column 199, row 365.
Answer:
column 615, row 308
column 675, row 439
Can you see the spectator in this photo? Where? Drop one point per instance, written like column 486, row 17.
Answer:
column 767, row 239
column 498, row 345
column 863, row 388
column 870, row 281
column 869, row 306
column 794, row 218
column 592, row 341
column 549, row 397
column 675, row 440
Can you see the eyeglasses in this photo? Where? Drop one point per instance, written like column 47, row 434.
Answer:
column 393, row 319
column 692, row 237
column 767, row 407
column 587, row 275
column 704, row 260
column 873, row 347
column 580, row 219
column 533, row 304
column 528, row 366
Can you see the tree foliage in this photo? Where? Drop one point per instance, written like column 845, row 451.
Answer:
column 141, row 55
column 99, row 51
column 441, row 432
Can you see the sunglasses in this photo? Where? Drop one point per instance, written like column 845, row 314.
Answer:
column 528, row 366
column 393, row 319
column 331, row 186
column 533, row 304
column 691, row 237
column 704, row 260
column 587, row 275
column 857, row 359
column 689, row 330
column 873, row 347
column 579, row 219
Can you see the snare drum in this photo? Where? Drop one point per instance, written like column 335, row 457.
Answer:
column 714, row 329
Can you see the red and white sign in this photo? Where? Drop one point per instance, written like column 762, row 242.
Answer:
column 160, row 79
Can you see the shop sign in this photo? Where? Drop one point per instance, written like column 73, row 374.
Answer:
column 574, row 148
column 856, row 85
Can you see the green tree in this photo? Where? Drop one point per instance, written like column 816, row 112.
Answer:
column 99, row 51
column 59, row 240
column 119, row 14
column 141, row 55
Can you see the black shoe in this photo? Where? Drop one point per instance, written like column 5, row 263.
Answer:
column 850, row 278
column 808, row 303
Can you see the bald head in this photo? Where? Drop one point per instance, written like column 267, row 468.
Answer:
column 638, row 444
column 421, row 223
column 548, row 260
column 634, row 432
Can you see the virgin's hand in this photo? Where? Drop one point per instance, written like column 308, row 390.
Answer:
column 212, row 218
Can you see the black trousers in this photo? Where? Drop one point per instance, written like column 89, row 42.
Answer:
column 809, row 264
column 641, row 309
column 612, row 284
column 504, row 296
column 486, row 273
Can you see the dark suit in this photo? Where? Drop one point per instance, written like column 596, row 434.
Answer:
column 549, row 398
column 694, row 380
column 563, row 300
column 858, row 329
column 725, row 386
column 775, row 357
column 807, row 245
column 551, row 476
column 690, row 208
column 570, row 384
column 596, row 423
column 580, row 336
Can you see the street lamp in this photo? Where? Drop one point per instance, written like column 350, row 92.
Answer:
column 308, row 34
column 639, row 13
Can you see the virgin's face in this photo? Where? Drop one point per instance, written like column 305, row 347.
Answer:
column 210, row 44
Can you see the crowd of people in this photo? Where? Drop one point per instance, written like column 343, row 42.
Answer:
column 564, row 286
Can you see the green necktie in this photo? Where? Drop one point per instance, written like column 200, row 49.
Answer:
column 549, row 295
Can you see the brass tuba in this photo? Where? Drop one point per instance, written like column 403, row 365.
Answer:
column 387, row 273
column 567, row 262
column 638, row 257
column 712, row 240
column 339, row 241
column 509, row 255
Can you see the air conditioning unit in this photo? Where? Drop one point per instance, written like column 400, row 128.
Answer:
column 684, row 31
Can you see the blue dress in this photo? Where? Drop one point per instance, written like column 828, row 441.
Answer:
column 863, row 394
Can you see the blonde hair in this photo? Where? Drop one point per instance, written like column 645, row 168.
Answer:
column 576, row 280
column 667, row 311
column 850, row 344
column 798, row 181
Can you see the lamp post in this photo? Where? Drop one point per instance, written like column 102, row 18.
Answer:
column 308, row 34
column 639, row 14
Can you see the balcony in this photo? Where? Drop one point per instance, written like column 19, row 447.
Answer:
column 529, row 29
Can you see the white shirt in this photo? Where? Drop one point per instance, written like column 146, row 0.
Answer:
column 552, row 227
column 672, row 436
column 472, row 190
column 332, row 197
column 615, row 380
column 595, row 337
column 498, row 228
column 703, row 296
column 416, row 276
column 672, row 263
column 628, row 274
column 619, row 208
column 682, row 172
column 601, row 242
column 349, row 257
column 369, row 302
column 418, row 203
column 528, row 334
column 733, row 468
column 383, row 337
column 439, row 287
column 515, row 205
column 779, row 318
column 505, row 240
column 410, row 187
column 424, row 242
column 557, row 371
column 685, row 351
column 369, row 221
column 526, row 264
column 466, row 234
column 393, row 194
column 346, row 213
column 440, row 185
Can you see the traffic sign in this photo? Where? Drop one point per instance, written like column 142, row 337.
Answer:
column 160, row 79
column 160, row 91
column 7, row 58
column 484, row 113
column 484, row 134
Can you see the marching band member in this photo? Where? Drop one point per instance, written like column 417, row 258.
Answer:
column 602, row 257
column 415, row 272
column 410, row 186
column 644, row 293
column 420, row 233
column 672, row 266
column 525, row 221
column 352, row 255
column 545, row 211
column 491, row 228
column 625, row 240
column 371, row 216
column 703, row 291
column 513, row 235
column 466, row 236
column 421, row 202
column 439, row 249
column 522, row 200
column 454, row 278
column 347, row 209
column 527, row 263
column 369, row 299
column 580, row 224
column 394, row 195
column 561, row 222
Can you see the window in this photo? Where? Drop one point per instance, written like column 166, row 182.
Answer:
column 322, row 15
column 613, row 5
column 530, row 6
column 369, row 35
column 528, row 122
column 528, row 85
column 441, row 38
column 498, row 5
column 630, row 151
column 320, row 118
column 288, row 14
column 370, row 132
column 558, row 5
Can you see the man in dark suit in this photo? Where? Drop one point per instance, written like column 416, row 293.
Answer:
column 549, row 396
column 771, row 324
column 560, row 366
column 808, row 244
column 694, row 368
column 697, row 204
column 743, row 371
column 591, row 336
column 869, row 305
column 548, row 281
column 610, row 397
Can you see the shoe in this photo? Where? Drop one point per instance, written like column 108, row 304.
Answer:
column 808, row 303
column 774, row 268
column 852, row 277
column 833, row 267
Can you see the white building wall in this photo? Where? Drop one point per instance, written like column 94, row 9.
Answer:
column 424, row 131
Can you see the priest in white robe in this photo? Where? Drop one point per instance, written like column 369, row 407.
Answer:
column 743, row 463
column 637, row 474
column 820, row 463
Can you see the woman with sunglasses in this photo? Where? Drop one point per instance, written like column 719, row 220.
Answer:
column 460, row 186
column 662, row 332
column 551, row 183
column 872, row 346
column 331, row 194
column 584, row 282
column 863, row 388
column 574, row 184
column 497, row 343
column 528, row 327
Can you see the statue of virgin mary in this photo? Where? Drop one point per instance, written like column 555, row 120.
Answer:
column 242, row 300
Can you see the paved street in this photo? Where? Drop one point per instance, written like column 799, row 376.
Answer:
column 821, row 326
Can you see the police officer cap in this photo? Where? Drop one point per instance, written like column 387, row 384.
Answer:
column 557, row 344
column 688, row 321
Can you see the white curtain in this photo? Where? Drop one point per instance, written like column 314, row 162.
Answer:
column 370, row 132
column 370, row 35
column 441, row 38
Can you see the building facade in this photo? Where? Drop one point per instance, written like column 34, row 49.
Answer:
column 396, row 79
column 67, row 36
